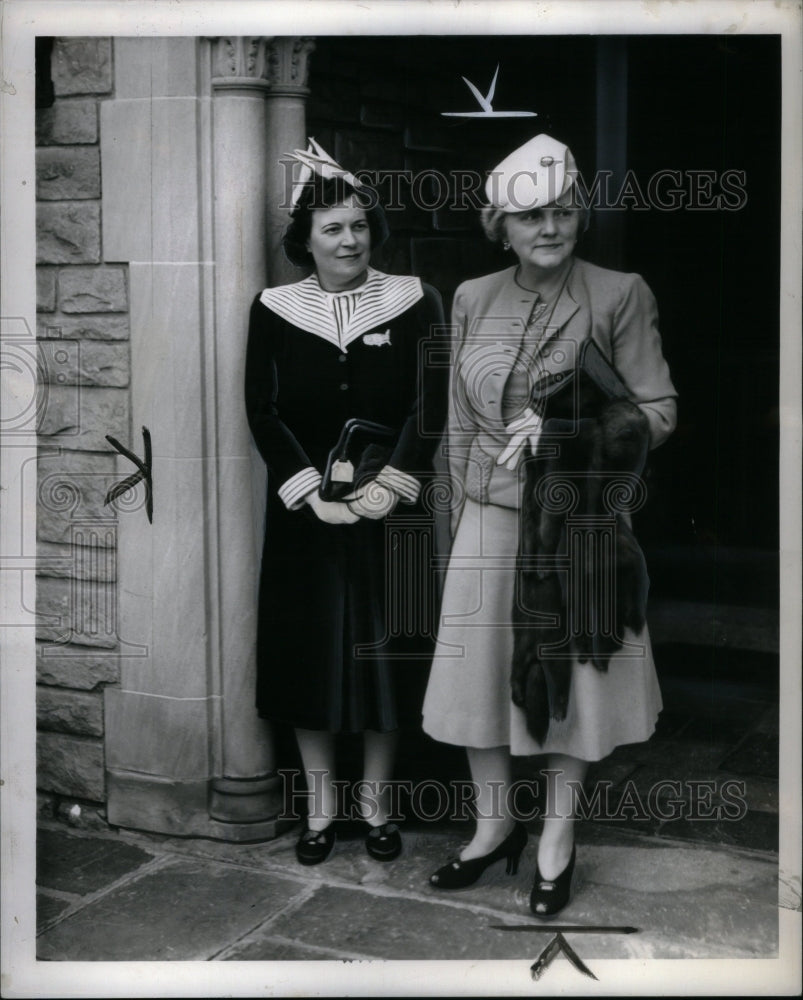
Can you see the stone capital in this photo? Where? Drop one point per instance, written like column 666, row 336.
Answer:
column 240, row 62
column 288, row 65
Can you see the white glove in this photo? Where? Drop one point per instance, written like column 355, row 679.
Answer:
column 332, row 512
column 372, row 500
column 523, row 428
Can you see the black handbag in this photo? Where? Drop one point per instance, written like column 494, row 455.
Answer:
column 581, row 391
column 362, row 450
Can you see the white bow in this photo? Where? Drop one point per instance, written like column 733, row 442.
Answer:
column 315, row 160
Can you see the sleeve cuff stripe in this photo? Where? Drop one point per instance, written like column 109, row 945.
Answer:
column 293, row 491
column 407, row 486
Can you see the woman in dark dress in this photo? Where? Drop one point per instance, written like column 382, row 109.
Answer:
column 343, row 343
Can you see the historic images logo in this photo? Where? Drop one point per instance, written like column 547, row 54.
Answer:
column 667, row 190
column 525, row 800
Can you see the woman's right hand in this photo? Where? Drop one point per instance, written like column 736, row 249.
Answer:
column 331, row 511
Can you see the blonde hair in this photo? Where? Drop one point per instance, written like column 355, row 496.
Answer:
column 493, row 222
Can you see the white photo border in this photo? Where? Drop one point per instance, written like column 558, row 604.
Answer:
column 22, row 20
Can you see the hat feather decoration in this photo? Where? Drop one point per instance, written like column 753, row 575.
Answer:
column 315, row 160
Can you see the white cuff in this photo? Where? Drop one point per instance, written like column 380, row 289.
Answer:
column 402, row 483
column 293, row 491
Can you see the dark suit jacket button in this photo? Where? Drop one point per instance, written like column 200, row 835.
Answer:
column 344, row 385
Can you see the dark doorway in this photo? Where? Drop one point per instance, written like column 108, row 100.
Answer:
column 706, row 109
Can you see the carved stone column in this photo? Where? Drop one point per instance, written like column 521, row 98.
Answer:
column 247, row 789
column 286, row 130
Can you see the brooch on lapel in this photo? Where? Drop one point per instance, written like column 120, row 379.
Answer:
column 377, row 339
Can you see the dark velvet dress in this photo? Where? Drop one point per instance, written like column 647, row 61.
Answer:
column 347, row 613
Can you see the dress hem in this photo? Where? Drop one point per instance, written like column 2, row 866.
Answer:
column 548, row 750
column 277, row 720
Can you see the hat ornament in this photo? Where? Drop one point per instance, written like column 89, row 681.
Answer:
column 534, row 175
column 315, row 160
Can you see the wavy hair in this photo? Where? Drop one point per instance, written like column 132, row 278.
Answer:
column 493, row 221
column 321, row 194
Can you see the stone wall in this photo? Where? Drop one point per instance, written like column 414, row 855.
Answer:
column 83, row 332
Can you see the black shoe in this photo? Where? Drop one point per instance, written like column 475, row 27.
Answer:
column 459, row 874
column 384, row 842
column 315, row 846
column 549, row 896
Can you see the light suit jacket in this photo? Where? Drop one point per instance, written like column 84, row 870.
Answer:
column 489, row 318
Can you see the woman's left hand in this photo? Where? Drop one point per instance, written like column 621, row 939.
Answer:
column 372, row 500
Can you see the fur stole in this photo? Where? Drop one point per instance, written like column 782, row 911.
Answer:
column 581, row 578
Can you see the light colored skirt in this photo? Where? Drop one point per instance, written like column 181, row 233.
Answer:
column 468, row 702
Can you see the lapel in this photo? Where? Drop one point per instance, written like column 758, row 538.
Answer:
column 491, row 346
column 565, row 309
column 568, row 327
column 495, row 341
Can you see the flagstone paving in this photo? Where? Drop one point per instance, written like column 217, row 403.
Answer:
column 162, row 898
column 683, row 887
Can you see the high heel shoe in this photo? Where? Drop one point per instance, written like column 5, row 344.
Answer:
column 315, row 846
column 549, row 896
column 384, row 842
column 459, row 874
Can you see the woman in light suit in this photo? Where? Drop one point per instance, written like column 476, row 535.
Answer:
column 512, row 330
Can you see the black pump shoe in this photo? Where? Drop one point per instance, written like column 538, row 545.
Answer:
column 315, row 846
column 549, row 896
column 384, row 842
column 461, row 874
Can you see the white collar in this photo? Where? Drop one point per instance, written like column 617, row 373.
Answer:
column 306, row 305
